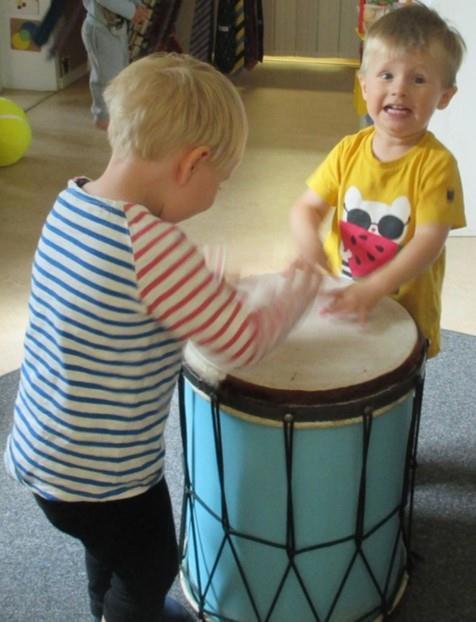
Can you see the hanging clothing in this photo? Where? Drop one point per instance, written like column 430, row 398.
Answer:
column 230, row 36
column 201, row 38
column 158, row 32
column 253, row 33
column 238, row 39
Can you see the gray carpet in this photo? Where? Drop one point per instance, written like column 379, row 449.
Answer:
column 41, row 571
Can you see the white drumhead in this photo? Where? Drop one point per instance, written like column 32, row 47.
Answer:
column 324, row 352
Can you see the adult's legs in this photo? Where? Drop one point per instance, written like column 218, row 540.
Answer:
column 108, row 54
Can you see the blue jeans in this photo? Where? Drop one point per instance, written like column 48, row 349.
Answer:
column 108, row 54
column 131, row 551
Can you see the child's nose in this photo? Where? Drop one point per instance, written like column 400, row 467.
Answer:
column 399, row 86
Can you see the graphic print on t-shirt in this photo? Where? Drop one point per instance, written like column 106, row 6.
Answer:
column 371, row 232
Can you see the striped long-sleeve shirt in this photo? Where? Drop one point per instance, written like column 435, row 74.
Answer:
column 116, row 292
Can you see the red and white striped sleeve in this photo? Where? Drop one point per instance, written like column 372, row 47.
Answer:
column 181, row 293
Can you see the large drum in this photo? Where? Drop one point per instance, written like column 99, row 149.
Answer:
column 299, row 473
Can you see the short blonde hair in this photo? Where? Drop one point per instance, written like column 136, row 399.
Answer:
column 163, row 102
column 416, row 27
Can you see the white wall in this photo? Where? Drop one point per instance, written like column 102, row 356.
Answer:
column 456, row 126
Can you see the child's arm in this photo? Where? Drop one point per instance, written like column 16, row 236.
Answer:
column 360, row 297
column 192, row 302
column 307, row 215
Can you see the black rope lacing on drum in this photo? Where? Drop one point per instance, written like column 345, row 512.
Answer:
column 411, row 464
column 288, row 429
column 404, row 511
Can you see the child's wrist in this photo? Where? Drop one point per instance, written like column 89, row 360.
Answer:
column 379, row 287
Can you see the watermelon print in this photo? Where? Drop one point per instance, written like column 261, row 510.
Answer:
column 367, row 251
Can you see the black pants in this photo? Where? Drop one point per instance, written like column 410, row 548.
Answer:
column 131, row 551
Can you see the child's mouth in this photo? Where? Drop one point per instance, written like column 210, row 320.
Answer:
column 396, row 110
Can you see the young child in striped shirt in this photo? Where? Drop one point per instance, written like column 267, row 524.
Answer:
column 117, row 290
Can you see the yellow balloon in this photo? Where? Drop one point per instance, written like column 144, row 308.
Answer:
column 15, row 132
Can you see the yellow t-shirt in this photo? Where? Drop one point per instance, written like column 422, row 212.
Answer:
column 378, row 205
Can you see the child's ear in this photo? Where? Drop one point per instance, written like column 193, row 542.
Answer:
column 363, row 86
column 189, row 161
column 446, row 97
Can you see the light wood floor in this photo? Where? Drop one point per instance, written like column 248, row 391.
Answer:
column 297, row 113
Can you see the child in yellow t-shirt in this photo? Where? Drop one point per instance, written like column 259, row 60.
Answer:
column 395, row 188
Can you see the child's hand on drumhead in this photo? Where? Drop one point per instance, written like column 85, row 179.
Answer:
column 311, row 251
column 302, row 282
column 356, row 300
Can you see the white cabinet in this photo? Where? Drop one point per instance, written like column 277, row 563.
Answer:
column 22, row 64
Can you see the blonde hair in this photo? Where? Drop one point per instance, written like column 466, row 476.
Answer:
column 163, row 102
column 416, row 27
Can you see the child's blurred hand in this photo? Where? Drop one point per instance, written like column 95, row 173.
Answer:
column 300, row 286
column 310, row 252
column 320, row 266
column 356, row 300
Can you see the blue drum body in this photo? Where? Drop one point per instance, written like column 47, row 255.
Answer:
column 296, row 504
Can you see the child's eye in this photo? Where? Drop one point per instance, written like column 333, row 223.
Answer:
column 386, row 75
column 419, row 80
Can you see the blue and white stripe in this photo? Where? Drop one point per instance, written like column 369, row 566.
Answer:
column 115, row 294
column 98, row 371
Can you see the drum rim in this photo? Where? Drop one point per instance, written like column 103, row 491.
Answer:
column 344, row 403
